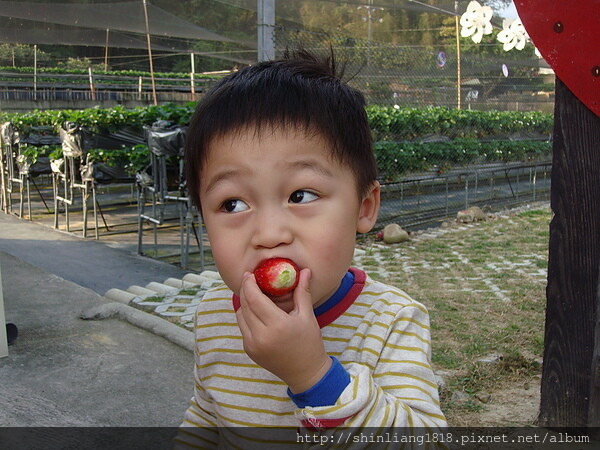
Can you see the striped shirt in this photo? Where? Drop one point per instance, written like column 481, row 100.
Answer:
column 378, row 333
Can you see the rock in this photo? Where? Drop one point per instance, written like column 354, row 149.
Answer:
column 464, row 216
column 459, row 396
column 393, row 234
column 211, row 274
column 483, row 398
column 492, row 358
column 441, row 382
column 472, row 214
column 208, row 285
column 477, row 212
column 358, row 252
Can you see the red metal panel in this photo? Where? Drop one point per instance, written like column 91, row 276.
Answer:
column 567, row 34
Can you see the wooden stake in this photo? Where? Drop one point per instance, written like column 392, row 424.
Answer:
column 150, row 54
column 106, row 52
column 91, row 78
column 193, row 70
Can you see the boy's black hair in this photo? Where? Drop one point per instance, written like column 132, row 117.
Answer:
column 300, row 90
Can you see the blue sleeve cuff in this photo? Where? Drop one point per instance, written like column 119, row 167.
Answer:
column 326, row 391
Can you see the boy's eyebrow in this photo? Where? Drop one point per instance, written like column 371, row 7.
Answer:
column 309, row 164
column 290, row 165
column 224, row 175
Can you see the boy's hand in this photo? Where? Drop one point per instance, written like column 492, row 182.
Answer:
column 289, row 345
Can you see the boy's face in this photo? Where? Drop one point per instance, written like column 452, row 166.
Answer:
column 281, row 194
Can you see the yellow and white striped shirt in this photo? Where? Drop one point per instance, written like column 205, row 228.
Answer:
column 382, row 339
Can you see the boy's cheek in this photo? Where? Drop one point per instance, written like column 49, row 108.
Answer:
column 224, row 260
column 232, row 281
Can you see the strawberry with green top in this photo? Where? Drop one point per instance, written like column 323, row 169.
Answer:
column 277, row 276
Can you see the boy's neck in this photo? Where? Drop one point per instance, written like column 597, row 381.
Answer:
column 350, row 288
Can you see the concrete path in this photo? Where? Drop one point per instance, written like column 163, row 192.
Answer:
column 65, row 371
column 86, row 262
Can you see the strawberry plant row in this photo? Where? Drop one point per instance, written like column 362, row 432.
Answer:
column 394, row 159
column 397, row 158
column 119, row 73
column 396, row 132
column 101, row 119
column 387, row 123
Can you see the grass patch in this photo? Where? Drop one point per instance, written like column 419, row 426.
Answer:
column 155, row 299
column 190, row 291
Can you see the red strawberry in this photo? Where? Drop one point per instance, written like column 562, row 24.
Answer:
column 277, row 276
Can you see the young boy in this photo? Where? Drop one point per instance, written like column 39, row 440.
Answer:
column 279, row 159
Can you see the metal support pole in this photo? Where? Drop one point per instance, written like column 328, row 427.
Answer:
column 35, row 72
column 458, row 75
column 266, row 29
column 369, row 19
column 3, row 335
column 446, row 201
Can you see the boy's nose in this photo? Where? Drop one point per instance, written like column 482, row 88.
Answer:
column 272, row 228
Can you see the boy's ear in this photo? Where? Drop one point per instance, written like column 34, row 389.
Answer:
column 369, row 208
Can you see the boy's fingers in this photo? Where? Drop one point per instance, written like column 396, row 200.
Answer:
column 244, row 328
column 302, row 296
column 247, row 291
column 256, row 307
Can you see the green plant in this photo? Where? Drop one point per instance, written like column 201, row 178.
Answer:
column 389, row 123
column 75, row 66
column 101, row 119
column 80, row 63
column 395, row 158
column 397, row 148
column 155, row 299
column 132, row 159
column 34, row 152
column 190, row 291
column 55, row 154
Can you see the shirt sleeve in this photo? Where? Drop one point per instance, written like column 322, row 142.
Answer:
column 394, row 387
column 327, row 390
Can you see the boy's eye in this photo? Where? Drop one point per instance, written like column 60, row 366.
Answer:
column 234, row 206
column 303, row 197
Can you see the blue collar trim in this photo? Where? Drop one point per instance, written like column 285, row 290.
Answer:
column 345, row 286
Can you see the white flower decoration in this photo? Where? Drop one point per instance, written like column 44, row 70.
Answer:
column 476, row 21
column 513, row 34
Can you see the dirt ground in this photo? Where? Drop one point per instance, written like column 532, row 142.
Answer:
column 516, row 405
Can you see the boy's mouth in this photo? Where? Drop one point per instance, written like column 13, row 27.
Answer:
column 277, row 277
